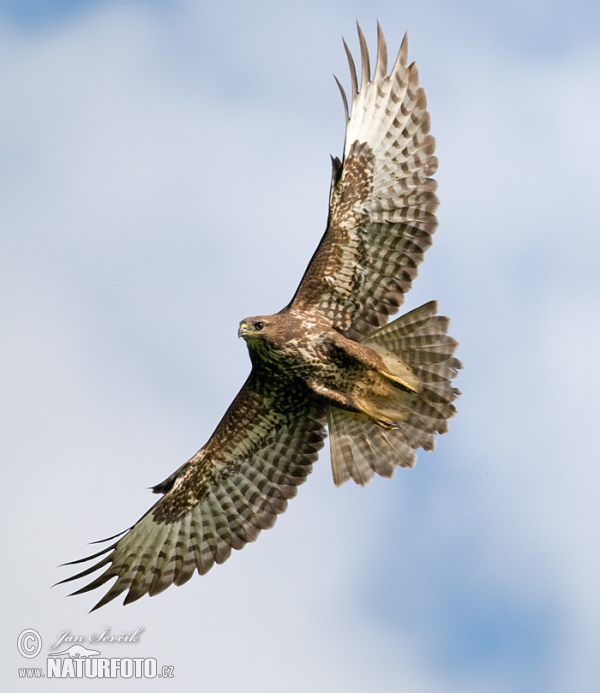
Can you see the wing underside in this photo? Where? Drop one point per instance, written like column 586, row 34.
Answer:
column 382, row 202
column 221, row 499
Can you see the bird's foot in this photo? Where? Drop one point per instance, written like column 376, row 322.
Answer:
column 386, row 423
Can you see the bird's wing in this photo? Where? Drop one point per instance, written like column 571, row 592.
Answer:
column 232, row 488
column 382, row 202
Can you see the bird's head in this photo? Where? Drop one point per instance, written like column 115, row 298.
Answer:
column 258, row 327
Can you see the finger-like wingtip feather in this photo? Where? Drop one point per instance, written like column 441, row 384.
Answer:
column 364, row 54
column 382, row 57
column 402, row 58
column 101, row 541
column 89, row 558
column 85, row 573
column 352, row 66
column 108, row 597
column 344, row 99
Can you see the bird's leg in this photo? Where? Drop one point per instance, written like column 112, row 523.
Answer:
column 349, row 403
column 334, row 397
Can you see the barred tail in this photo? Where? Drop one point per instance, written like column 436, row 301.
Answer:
column 359, row 447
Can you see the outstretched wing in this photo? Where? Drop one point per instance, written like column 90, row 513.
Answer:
column 219, row 500
column 382, row 202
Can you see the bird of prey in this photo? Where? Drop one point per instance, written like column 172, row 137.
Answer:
column 327, row 359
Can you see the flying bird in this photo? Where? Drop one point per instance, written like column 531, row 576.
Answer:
column 328, row 359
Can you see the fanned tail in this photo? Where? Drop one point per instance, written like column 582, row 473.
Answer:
column 359, row 447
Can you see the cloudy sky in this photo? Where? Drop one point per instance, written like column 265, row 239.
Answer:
column 164, row 170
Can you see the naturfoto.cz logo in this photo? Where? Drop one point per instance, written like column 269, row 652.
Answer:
column 99, row 668
column 78, row 661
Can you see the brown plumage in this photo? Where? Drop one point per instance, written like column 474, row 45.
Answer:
column 327, row 357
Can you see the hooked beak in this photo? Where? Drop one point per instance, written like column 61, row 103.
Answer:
column 243, row 329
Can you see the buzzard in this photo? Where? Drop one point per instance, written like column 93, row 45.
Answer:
column 327, row 358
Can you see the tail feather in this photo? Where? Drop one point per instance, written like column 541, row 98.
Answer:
column 359, row 447
column 438, row 372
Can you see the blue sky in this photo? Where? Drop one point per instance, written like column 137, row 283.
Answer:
column 164, row 172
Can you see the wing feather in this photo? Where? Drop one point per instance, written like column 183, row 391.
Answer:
column 382, row 206
column 221, row 499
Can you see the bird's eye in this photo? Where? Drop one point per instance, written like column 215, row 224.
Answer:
column 259, row 325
